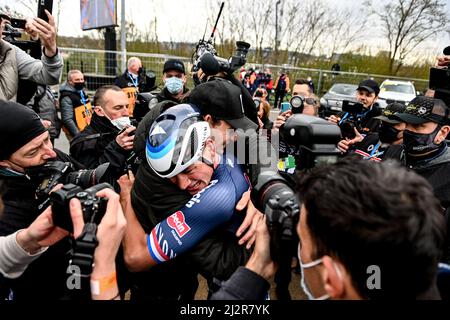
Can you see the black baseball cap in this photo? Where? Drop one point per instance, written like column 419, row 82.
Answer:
column 174, row 64
column 425, row 109
column 389, row 114
column 222, row 100
column 369, row 85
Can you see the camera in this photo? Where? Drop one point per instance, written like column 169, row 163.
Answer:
column 316, row 139
column 93, row 207
column 273, row 196
column 440, row 83
column 55, row 172
column 144, row 103
column 354, row 112
column 147, row 81
column 205, row 55
column 201, row 59
column 273, row 193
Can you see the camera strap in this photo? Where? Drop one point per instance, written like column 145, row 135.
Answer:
column 82, row 259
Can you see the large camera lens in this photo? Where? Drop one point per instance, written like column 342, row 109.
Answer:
column 88, row 178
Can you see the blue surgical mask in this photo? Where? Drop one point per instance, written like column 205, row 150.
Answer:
column 174, row 85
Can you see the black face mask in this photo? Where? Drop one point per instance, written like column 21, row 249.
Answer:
column 79, row 86
column 418, row 144
column 388, row 134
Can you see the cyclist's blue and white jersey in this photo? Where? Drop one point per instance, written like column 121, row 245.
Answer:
column 211, row 207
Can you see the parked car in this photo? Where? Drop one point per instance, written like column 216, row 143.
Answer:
column 331, row 102
column 396, row 91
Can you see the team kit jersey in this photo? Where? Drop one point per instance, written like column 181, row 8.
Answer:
column 211, row 207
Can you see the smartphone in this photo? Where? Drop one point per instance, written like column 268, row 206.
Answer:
column 130, row 134
column 285, row 106
column 42, row 6
column 18, row 23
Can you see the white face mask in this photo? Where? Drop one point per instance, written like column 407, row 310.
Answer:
column 303, row 283
column 121, row 123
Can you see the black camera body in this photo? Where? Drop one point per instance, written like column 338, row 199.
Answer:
column 211, row 67
column 56, row 172
column 440, row 83
column 93, row 207
column 316, row 138
column 273, row 193
column 145, row 101
column 353, row 120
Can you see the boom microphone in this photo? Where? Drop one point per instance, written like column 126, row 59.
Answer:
column 209, row 64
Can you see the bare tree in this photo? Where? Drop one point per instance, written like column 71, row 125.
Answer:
column 407, row 23
column 347, row 29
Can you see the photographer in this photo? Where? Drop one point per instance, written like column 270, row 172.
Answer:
column 15, row 64
column 109, row 137
column 387, row 143
column 21, row 248
column 26, row 150
column 366, row 94
column 398, row 238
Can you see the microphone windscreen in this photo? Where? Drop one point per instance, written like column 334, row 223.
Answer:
column 209, row 64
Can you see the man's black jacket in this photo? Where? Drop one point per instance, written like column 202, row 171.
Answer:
column 45, row 278
column 97, row 144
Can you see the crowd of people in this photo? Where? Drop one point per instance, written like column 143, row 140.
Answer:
column 174, row 193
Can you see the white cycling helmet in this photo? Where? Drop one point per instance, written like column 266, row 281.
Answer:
column 176, row 140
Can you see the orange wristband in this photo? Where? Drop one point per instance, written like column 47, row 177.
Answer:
column 99, row 286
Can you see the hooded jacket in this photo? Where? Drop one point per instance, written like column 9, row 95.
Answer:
column 16, row 64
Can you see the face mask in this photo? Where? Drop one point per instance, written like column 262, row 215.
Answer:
column 417, row 143
column 174, row 85
column 388, row 134
column 121, row 123
column 79, row 86
column 303, row 283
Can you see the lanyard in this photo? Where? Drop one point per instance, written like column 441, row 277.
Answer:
column 375, row 150
column 346, row 115
column 84, row 101
column 134, row 81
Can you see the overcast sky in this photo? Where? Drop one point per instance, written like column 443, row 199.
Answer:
column 177, row 19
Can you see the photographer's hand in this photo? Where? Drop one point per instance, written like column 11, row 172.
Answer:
column 344, row 145
column 109, row 234
column 47, row 33
column 260, row 261
column 41, row 233
column 443, row 61
column 281, row 119
column 34, row 35
column 334, row 119
column 252, row 217
column 125, row 141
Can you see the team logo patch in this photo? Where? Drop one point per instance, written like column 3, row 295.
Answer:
column 422, row 110
column 178, row 223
